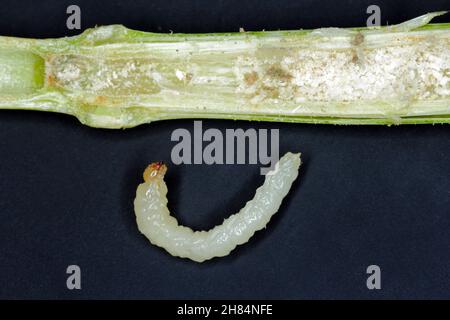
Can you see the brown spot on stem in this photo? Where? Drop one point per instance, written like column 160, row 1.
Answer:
column 271, row 92
column 275, row 71
column 358, row 39
column 51, row 80
column 100, row 99
column 189, row 77
column 250, row 77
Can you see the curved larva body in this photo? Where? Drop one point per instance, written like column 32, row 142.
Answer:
column 156, row 223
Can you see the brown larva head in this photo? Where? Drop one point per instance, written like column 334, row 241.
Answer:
column 156, row 170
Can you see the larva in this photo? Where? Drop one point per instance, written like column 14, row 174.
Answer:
column 155, row 222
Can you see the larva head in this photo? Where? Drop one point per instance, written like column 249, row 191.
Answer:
column 154, row 171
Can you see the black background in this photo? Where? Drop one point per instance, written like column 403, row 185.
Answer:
column 366, row 195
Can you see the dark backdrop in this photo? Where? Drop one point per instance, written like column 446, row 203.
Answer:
column 366, row 195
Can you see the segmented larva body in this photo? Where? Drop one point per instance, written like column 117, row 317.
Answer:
column 156, row 223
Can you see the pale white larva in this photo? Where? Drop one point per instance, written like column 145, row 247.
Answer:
column 155, row 222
